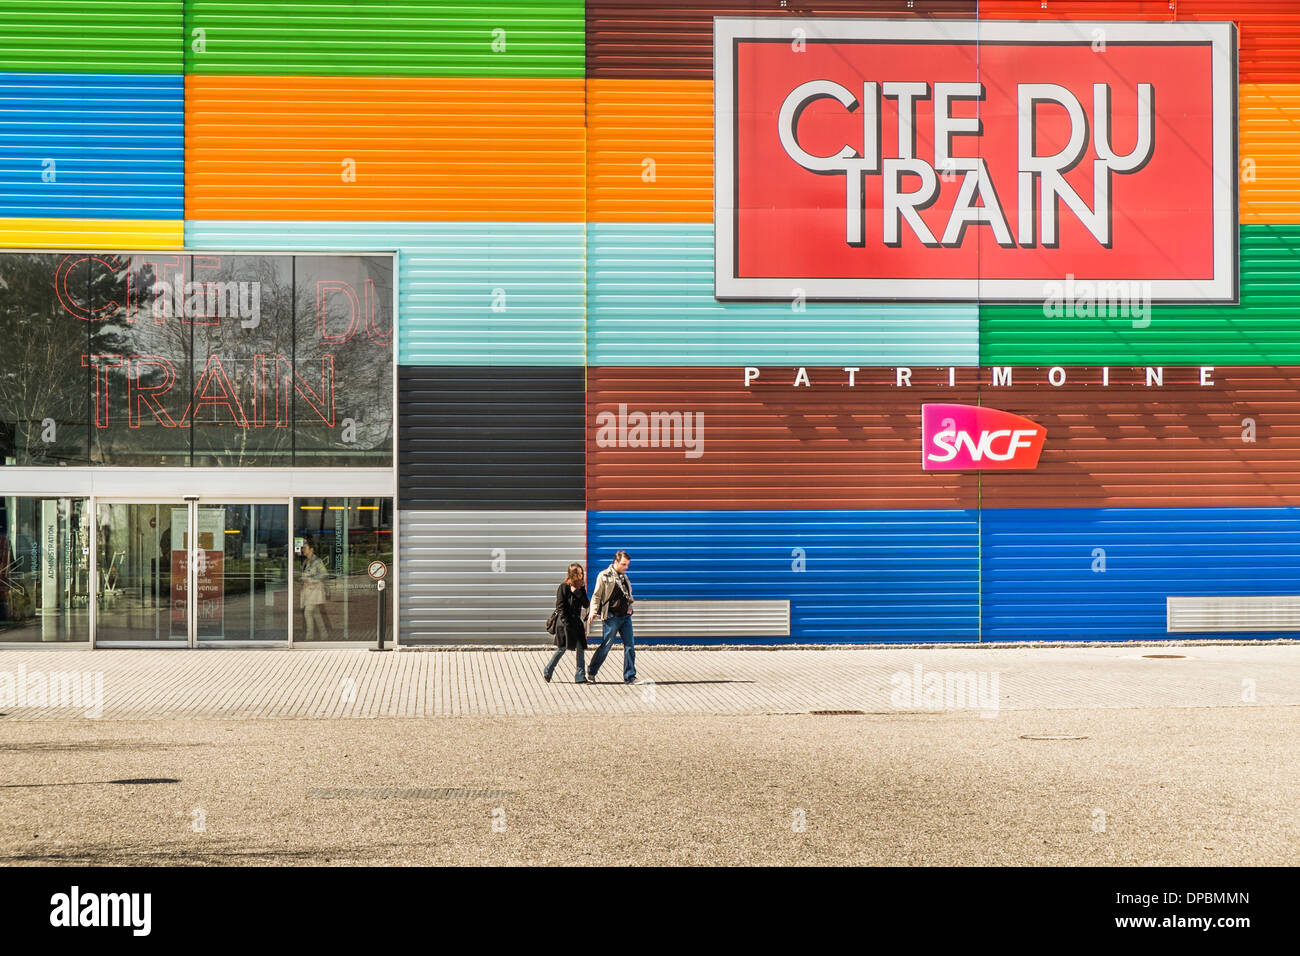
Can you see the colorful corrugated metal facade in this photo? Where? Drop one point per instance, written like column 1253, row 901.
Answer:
column 544, row 170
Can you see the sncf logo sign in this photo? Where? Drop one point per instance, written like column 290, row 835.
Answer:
column 974, row 438
column 953, row 160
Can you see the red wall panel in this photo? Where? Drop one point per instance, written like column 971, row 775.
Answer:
column 1268, row 30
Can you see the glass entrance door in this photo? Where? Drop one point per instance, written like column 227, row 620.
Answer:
column 189, row 573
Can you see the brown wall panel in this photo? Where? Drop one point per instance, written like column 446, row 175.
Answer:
column 772, row 445
column 674, row 39
column 1133, row 446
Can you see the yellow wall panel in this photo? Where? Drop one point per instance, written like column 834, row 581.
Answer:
column 101, row 234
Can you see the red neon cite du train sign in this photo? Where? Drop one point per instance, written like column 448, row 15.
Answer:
column 208, row 303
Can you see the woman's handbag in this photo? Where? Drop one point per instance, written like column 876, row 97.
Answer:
column 552, row 621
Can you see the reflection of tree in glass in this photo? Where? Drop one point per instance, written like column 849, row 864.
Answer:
column 41, row 375
column 363, row 365
column 219, row 440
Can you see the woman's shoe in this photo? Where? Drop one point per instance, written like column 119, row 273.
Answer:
column 546, row 676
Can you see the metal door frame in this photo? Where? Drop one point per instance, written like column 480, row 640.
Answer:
column 192, row 503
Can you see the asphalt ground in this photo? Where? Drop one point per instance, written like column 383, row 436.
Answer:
column 1198, row 785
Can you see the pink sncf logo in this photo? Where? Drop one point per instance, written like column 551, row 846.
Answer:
column 974, row 438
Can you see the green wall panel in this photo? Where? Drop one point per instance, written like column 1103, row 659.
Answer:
column 1262, row 329
column 91, row 36
column 388, row 38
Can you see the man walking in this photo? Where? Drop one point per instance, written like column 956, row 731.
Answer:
column 612, row 601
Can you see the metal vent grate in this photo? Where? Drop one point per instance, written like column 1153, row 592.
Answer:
column 1253, row 613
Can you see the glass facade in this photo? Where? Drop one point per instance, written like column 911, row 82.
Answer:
column 163, row 359
column 44, row 569
column 240, row 580
column 335, row 540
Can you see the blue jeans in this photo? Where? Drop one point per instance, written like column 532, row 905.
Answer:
column 614, row 626
column 581, row 675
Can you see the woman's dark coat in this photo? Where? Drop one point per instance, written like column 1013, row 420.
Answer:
column 570, row 628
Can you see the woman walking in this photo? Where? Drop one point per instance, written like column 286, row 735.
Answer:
column 570, row 626
column 313, row 580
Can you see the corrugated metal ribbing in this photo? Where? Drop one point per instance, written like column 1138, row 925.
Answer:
column 484, row 576
column 116, row 234
column 1269, row 148
column 650, row 150
column 1079, row 9
column 1094, row 575
column 91, row 146
column 388, row 37
column 674, row 39
column 489, row 437
column 94, row 36
column 849, row 575
column 1261, row 330
column 1269, row 44
column 699, row 438
column 384, row 148
column 469, row 293
column 650, row 302
column 1177, row 445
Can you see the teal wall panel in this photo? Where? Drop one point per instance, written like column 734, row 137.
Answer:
column 650, row 300
column 468, row 293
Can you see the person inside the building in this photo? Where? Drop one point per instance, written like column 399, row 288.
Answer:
column 313, row 578
column 571, row 603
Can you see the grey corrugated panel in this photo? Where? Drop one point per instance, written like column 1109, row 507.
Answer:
column 491, row 437
column 450, row 591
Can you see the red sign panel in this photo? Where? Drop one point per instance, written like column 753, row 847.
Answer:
column 955, row 160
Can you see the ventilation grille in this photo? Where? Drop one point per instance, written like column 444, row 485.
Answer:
column 1259, row 613
column 711, row 618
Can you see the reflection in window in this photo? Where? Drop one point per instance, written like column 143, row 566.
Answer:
column 44, row 569
column 216, row 360
column 43, row 385
column 335, row 540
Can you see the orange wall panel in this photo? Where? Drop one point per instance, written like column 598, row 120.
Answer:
column 424, row 148
column 1269, row 153
column 650, row 150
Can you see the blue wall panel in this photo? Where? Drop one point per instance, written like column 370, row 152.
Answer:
column 1040, row 583
column 651, row 303
column 902, row 576
column 469, row 293
column 91, row 146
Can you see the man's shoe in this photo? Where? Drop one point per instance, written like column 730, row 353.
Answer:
column 591, row 677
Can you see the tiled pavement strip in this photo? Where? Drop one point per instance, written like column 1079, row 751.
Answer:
column 315, row 683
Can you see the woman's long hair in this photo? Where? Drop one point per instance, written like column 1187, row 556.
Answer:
column 574, row 577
